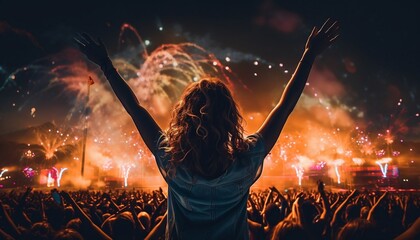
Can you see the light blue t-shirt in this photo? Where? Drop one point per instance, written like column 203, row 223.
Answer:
column 199, row 208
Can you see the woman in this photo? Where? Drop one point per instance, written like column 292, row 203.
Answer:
column 208, row 165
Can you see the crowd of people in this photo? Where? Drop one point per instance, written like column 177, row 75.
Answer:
column 272, row 214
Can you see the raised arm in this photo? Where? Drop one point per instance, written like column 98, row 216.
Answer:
column 267, row 200
column 8, row 222
column 342, row 207
column 374, row 208
column 296, row 213
column 99, row 234
column 316, row 43
column 140, row 230
column 159, row 230
column 112, row 204
column 19, row 215
column 285, row 208
column 97, row 53
column 326, row 209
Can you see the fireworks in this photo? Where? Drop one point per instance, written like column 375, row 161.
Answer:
column 29, row 154
column 358, row 161
column 3, row 171
column 59, row 174
column 165, row 73
column 29, row 172
column 125, row 168
column 337, row 163
column 53, row 141
column 50, row 180
column 167, row 70
column 320, row 130
column 299, row 173
column 383, row 164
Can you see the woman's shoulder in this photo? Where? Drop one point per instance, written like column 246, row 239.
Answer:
column 255, row 144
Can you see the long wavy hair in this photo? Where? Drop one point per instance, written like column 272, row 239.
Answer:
column 205, row 133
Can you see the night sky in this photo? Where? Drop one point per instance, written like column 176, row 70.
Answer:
column 374, row 64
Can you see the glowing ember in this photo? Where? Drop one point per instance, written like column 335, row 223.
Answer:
column 29, row 154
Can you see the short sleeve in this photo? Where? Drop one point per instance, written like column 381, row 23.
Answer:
column 256, row 154
column 161, row 157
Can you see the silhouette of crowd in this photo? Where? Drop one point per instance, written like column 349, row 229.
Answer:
column 272, row 214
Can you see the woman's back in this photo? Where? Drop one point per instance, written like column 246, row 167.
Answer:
column 216, row 208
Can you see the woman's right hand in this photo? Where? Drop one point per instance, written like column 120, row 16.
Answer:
column 322, row 38
column 95, row 51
